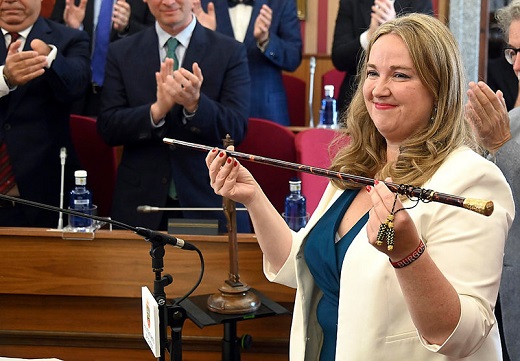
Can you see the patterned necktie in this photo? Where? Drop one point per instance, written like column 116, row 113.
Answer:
column 7, row 181
column 101, row 40
column 232, row 3
column 171, row 45
column 14, row 37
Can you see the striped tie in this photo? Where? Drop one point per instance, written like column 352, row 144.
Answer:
column 7, row 181
column 171, row 45
column 14, row 37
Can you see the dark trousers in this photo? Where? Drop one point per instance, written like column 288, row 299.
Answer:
column 498, row 314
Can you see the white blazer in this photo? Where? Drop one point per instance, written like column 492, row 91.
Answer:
column 374, row 323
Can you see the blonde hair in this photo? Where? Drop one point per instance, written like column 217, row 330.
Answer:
column 438, row 63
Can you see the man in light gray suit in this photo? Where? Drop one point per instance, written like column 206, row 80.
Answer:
column 499, row 132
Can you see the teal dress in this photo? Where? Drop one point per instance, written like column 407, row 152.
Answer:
column 324, row 258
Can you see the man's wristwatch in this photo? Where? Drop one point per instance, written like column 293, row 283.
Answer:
column 6, row 79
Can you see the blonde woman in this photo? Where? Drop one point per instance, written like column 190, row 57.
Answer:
column 431, row 296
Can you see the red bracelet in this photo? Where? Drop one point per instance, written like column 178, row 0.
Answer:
column 412, row 257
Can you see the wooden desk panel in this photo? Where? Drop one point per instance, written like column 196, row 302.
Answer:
column 118, row 264
column 68, row 295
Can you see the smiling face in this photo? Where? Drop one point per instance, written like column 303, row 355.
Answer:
column 172, row 15
column 396, row 99
column 514, row 41
column 17, row 15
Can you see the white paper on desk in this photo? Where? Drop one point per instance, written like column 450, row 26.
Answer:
column 151, row 321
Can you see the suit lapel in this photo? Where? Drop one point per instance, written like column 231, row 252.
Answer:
column 3, row 50
column 223, row 21
column 40, row 31
column 197, row 45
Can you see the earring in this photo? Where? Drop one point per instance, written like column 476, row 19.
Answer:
column 434, row 114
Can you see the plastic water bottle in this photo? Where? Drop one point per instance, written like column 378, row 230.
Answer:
column 80, row 200
column 295, row 206
column 328, row 111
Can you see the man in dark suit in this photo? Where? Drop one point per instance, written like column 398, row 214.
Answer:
column 44, row 70
column 128, row 17
column 501, row 76
column 270, row 30
column 356, row 21
column 144, row 100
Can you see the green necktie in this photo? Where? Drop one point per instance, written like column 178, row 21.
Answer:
column 171, row 45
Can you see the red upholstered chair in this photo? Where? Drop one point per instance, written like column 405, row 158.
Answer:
column 272, row 140
column 295, row 89
column 312, row 148
column 435, row 5
column 97, row 158
column 332, row 77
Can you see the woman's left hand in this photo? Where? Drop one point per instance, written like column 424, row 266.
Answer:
column 385, row 203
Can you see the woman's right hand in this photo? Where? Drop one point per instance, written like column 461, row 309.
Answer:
column 230, row 179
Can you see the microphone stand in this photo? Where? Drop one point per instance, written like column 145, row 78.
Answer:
column 63, row 157
column 312, row 65
column 169, row 315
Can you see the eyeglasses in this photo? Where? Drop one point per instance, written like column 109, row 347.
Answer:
column 510, row 54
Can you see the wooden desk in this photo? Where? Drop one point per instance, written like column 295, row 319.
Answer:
column 68, row 295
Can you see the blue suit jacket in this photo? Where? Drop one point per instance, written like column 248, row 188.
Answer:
column 147, row 164
column 284, row 52
column 140, row 17
column 34, row 118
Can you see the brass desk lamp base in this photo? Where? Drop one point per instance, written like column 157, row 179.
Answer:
column 234, row 299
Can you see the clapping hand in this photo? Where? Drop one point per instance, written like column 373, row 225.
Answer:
column 209, row 19
column 487, row 113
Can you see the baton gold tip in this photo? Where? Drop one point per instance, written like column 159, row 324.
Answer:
column 479, row 205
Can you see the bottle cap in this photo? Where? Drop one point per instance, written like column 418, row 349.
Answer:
column 295, row 185
column 329, row 90
column 80, row 174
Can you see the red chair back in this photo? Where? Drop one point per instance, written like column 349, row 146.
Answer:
column 272, row 140
column 312, row 148
column 295, row 89
column 332, row 77
column 435, row 5
column 97, row 158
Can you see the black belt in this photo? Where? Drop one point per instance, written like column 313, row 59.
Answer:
column 4, row 203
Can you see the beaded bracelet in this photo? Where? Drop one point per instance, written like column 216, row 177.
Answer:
column 412, row 257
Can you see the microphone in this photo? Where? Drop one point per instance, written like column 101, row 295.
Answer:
column 312, row 66
column 63, row 157
column 149, row 235
column 162, row 238
column 150, row 209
